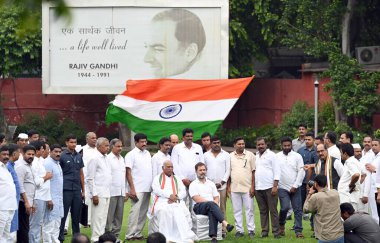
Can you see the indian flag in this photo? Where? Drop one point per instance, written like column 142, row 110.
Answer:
column 160, row 107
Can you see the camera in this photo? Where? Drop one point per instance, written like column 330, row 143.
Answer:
column 310, row 183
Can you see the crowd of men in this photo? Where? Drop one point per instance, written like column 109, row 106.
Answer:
column 317, row 177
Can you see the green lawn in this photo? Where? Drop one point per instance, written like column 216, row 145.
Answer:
column 289, row 237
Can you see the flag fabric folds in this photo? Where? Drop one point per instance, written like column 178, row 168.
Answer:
column 161, row 107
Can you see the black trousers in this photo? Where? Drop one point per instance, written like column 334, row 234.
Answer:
column 23, row 224
column 214, row 214
column 72, row 200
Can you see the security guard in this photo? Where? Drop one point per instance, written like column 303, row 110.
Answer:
column 73, row 185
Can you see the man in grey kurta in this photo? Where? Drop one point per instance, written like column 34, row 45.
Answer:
column 358, row 226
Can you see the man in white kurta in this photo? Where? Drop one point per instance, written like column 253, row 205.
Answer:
column 161, row 156
column 99, row 181
column 138, row 163
column 168, row 212
column 184, row 157
column 349, row 184
column 218, row 163
column 118, row 188
column 8, row 201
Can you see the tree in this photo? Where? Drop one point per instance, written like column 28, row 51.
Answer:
column 20, row 50
column 244, row 40
column 323, row 29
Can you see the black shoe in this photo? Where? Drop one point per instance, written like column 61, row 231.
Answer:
column 251, row 234
column 224, row 235
column 289, row 217
column 229, row 228
column 65, row 231
column 214, row 240
column 264, row 235
column 239, row 234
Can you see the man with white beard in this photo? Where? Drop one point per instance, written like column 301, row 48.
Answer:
column 168, row 212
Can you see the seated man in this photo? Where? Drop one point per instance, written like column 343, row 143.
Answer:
column 168, row 212
column 358, row 226
column 206, row 201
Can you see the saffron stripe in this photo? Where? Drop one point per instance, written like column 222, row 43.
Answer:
column 185, row 90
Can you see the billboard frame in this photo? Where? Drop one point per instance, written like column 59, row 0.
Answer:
column 49, row 88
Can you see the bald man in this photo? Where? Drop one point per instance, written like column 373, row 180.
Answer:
column 174, row 140
column 168, row 214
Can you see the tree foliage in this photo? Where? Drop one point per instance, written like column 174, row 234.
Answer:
column 245, row 40
column 316, row 27
column 20, row 50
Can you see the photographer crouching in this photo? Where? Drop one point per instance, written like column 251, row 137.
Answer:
column 325, row 204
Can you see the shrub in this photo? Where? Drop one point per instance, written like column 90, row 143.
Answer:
column 52, row 126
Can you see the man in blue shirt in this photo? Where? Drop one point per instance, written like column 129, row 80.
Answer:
column 309, row 156
column 73, row 185
column 54, row 214
column 14, row 154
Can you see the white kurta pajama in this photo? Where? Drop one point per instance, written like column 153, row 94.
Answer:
column 351, row 167
column 173, row 220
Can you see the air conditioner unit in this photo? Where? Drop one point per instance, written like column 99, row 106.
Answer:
column 368, row 54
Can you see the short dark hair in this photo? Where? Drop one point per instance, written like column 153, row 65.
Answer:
column 156, row 237
column 376, row 140
column 80, row 238
column 107, row 237
column 302, row 125
column 261, row 138
column 54, row 146
column 38, row 144
column 31, row 132
column 321, row 180
column 163, row 140
column 331, row 136
column 347, row 208
column 310, row 134
column 4, row 148
column 12, row 148
column 349, row 135
column 319, row 137
column 238, row 139
column 200, row 164
column 214, row 138
column 139, row 136
column 2, row 137
column 28, row 147
column 286, row 139
column 205, row 134
column 70, row 136
column 187, row 130
column 347, row 148
column 185, row 21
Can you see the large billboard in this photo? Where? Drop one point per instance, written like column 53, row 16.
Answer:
column 105, row 43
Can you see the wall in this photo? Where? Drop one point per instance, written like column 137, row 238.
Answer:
column 23, row 95
column 264, row 101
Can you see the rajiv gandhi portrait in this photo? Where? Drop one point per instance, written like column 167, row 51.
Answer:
column 176, row 41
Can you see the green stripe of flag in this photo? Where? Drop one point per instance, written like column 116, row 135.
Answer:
column 155, row 130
